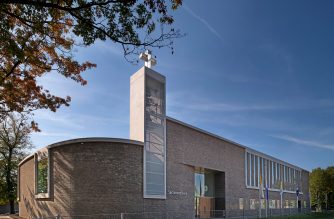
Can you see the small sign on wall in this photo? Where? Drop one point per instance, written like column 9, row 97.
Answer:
column 177, row 193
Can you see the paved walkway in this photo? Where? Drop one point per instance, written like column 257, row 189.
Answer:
column 10, row 217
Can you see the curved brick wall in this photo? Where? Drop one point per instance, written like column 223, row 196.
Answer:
column 88, row 176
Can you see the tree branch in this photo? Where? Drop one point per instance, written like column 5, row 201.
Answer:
column 11, row 71
column 52, row 5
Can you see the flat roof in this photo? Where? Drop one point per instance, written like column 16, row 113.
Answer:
column 233, row 142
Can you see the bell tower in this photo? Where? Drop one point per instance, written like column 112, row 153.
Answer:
column 148, row 124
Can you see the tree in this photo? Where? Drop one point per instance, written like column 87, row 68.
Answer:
column 330, row 195
column 14, row 144
column 38, row 37
column 317, row 187
column 321, row 187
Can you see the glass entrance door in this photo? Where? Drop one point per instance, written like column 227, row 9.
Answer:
column 209, row 193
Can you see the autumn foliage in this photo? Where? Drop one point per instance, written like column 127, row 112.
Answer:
column 28, row 51
column 38, row 37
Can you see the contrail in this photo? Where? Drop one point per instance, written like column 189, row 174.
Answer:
column 213, row 30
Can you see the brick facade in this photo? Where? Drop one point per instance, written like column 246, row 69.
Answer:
column 86, row 178
column 105, row 176
column 192, row 147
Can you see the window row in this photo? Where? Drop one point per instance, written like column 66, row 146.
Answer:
column 274, row 174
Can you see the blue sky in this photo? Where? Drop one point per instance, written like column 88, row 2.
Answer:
column 257, row 72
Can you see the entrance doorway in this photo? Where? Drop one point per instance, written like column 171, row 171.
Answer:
column 209, row 193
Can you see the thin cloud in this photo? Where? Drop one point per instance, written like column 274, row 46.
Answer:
column 203, row 21
column 176, row 100
column 66, row 120
column 227, row 107
column 78, row 121
column 304, row 142
column 200, row 104
column 210, row 106
column 55, row 134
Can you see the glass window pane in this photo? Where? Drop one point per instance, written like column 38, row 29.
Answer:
column 268, row 172
column 154, row 167
column 42, row 175
column 156, row 158
column 154, row 189
column 154, row 178
column 252, row 170
column 154, row 137
column 248, row 169
column 257, row 171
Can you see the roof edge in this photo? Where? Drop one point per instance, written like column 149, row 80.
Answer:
column 85, row 140
column 233, row 142
column 96, row 139
column 205, row 132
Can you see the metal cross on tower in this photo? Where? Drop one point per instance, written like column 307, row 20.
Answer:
column 147, row 57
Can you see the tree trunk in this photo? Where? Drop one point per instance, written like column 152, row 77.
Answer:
column 318, row 204
column 326, row 201
column 10, row 183
column 12, row 206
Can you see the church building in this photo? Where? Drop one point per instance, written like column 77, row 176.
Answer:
column 167, row 169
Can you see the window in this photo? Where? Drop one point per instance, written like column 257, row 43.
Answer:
column 252, row 204
column 263, row 204
column 155, row 144
column 18, row 184
column 241, row 203
column 278, row 173
column 271, row 204
column 286, row 204
column 277, row 176
column 42, row 174
column 257, row 171
column 253, row 170
column 271, row 175
column 292, row 203
column 261, row 170
column 248, row 169
column 272, row 172
column 263, row 173
column 267, row 173
column 199, row 184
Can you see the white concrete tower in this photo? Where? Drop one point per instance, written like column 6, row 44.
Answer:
column 148, row 124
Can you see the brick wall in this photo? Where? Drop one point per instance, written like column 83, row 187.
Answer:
column 88, row 178
column 107, row 177
column 190, row 147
